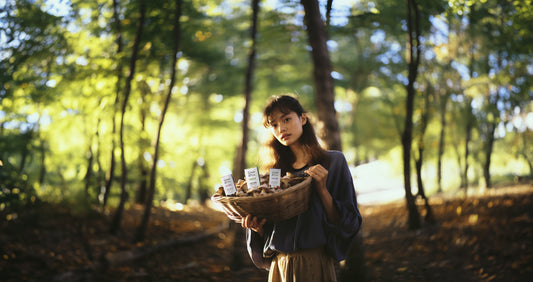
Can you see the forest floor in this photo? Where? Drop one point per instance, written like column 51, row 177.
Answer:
column 486, row 237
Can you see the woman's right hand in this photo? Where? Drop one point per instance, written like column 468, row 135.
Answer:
column 253, row 223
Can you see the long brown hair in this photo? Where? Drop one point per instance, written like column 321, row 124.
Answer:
column 277, row 155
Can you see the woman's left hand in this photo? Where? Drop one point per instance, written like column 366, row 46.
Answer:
column 320, row 175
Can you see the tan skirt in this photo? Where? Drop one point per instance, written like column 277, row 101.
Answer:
column 303, row 266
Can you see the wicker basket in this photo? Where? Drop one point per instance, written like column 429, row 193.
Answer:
column 274, row 207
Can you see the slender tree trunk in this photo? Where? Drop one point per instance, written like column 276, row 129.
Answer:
column 324, row 88
column 443, row 100
column 329, row 5
column 489, row 144
column 468, row 136
column 141, row 231
column 240, row 161
column 89, row 173
column 429, row 218
column 115, row 225
column 42, row 171
column 24, row 154
column 413, row 45
column 524, row 153
column 111, row 171
column 488, row 147
column 203, row 188
column 188, row 191
column 100, row 179
column 142, row 186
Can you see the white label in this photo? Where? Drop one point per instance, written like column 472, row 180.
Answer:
column 252, row 177
column 228, row 184
column 275, row 177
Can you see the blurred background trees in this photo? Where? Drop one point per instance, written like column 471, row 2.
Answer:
column 64, row 67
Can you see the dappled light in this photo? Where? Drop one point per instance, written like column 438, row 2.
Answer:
column 118, row 118
column 376, row 182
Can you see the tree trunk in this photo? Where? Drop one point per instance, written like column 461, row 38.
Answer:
column 325, row 95
column 89, row 173
column 204, row 192
column 488, row 147
column 188, row 191
column 142, row 186
column 141, row 231
column 240, row 160
column 413, row 45
column 329, row 5
column 111, row 171
column 429, row 218
column 468, row 136
column 524, row 153
column 115, row 224
column 443, row 100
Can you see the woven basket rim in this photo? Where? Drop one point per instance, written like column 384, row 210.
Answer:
column 259, row 198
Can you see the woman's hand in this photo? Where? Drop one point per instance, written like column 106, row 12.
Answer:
column 254, row 224
column 320, row 175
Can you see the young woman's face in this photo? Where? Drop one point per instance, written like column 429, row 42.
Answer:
column 287, row 128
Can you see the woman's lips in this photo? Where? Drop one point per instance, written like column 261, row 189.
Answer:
column 285, row 136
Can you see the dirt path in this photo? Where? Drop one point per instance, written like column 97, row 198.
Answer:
column 481, row 239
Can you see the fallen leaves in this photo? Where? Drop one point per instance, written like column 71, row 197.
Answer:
column 477, row 239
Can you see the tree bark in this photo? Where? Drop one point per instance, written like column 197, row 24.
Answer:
column 413, row 45
column 443, row 100
column 428, row 218
column 329, row 5
column 141, row 231
column 89, row 173
column 142, row 185
column 115, row 224
column 111, row 171
column 324, row 88
column 240, row 160
column 188, row 192
column 468, row 136
column 488, row 147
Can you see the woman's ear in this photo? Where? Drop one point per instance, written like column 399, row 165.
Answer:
column 303, row 118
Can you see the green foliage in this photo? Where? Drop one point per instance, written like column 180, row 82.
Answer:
column 58, row 83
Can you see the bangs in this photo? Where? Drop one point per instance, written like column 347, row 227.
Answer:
column 269, row 111
column 284, row 104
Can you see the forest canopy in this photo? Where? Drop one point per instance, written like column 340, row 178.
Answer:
column 64, row 69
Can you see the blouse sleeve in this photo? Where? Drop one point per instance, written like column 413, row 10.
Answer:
column 341, row 188
column 255, row 245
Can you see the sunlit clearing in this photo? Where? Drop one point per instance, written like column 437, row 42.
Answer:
column 376, row 183
column 173, row 206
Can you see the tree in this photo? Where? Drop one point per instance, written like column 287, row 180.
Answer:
column 413, row 60
column 240, row 160
column 153, row 171
column 419, row 156
column 324, row 88
column 111, row 170
column 117, row 218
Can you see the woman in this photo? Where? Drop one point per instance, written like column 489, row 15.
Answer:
column 305, row 247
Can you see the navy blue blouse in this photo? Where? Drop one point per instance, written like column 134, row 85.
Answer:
column 312, row 229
